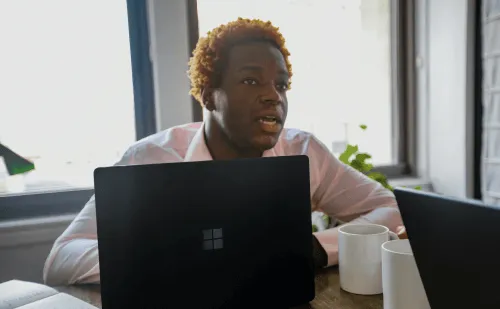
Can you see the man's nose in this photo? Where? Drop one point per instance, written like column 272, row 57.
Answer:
column 272, row 95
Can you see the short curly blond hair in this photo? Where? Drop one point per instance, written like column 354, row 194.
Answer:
column 209, row 56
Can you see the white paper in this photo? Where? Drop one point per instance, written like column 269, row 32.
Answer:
column 15, row 293
column 59, row 301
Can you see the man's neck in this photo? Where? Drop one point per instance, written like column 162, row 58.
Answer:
column 221, row 148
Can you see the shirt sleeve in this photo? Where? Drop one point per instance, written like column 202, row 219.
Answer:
column 349, row 196
column 74, row 256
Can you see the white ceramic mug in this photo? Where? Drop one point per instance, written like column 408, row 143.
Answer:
column 401, row 280
column 360, row 258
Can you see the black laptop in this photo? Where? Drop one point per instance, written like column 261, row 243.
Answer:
column 456, row 244
column 212, row 234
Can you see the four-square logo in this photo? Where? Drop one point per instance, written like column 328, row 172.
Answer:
column 212, row 239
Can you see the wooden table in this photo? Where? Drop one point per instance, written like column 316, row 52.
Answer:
column 328, row 294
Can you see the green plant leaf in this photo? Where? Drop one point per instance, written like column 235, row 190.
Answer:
column 314, row 228
column 357, row 165
column 377, row 176
column 363, row 156
column 367, row 167
column 415, row 188
column 326, row 219
column 361, row 163
column 364, row 166
column 349, row 151
column 380, row 178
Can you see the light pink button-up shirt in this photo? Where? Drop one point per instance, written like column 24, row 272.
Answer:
column 336, row 189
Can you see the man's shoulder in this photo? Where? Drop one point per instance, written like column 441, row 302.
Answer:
column 295, row 141
column 292, row 134
column 177, row 136
column 164, row 146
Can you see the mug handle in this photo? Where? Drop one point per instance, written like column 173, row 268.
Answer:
column 393, row 236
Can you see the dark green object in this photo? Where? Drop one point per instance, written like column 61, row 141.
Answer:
column 14, row 162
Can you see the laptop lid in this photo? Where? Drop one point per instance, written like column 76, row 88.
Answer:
column 455, row 244
column 212, row 234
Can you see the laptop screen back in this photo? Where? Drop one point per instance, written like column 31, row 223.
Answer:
column 213, row 234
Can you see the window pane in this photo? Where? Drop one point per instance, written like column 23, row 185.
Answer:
column 66, row 98
column 341, row 62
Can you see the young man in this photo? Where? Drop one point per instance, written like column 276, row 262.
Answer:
column 240, row 73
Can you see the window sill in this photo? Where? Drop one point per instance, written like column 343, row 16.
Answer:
column 23, row 232
column 411, row 182
column 43, row 204
column 20, row 207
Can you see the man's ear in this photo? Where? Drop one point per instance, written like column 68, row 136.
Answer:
column 207, row 95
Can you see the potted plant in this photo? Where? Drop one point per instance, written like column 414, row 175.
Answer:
column 359, row 161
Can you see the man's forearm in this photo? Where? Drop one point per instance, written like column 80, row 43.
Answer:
column 72, row 262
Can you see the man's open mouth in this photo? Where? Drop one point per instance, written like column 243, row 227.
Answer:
column 269, row 120
column 270, row 124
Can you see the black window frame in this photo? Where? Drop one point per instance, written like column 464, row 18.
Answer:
column 404, row 100
column 478, row 101
column 70, row 201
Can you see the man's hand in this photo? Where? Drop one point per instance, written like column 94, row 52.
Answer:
column 401, row 232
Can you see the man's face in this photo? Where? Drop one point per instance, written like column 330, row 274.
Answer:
column 251, row 104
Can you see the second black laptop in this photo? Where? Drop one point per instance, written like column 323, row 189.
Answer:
column 455, row 243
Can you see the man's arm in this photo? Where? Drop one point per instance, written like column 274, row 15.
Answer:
column 74, row 256
column 350, row 196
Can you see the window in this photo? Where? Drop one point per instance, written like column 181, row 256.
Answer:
column 67, row 98
column 345, row 72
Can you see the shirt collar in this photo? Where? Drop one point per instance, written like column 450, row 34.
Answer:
column 198, row 150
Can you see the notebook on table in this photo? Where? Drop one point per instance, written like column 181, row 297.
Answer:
column 16, row 294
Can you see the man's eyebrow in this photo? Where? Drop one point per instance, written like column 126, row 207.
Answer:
column 258, row 69
column 252, row 67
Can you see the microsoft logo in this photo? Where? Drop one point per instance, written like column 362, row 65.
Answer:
column 212, row 239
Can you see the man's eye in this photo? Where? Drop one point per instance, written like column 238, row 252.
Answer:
column 282, row 86
column 249, row 81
